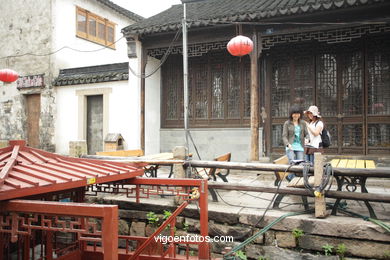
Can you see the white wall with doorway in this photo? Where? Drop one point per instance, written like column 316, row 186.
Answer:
column 119, row 116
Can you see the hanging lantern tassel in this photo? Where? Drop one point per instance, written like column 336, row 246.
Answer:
column 8, row 75
column 240, row 46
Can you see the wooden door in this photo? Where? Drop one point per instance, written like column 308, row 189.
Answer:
column 350, row 85
column 95, row 124
column 33, row 110
column 340, row 97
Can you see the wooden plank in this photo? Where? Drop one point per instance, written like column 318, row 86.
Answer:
column 351, row 164
column 370, row 164
column 334, row 162
column 342, row 163
column 159, row 156
column 360, row 164
column 281, row 160
column 125, row 153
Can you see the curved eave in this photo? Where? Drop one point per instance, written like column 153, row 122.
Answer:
column 154, row 25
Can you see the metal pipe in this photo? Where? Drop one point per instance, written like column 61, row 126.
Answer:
column 185, row 76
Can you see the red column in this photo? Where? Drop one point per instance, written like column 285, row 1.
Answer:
column 204, row 220
column 49, row 245
column 110, row 233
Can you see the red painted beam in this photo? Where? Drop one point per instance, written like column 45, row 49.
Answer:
column 167, row 181
column 11, row 162
column 60, row 208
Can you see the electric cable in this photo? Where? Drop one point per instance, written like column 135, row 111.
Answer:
column 366, row 218
column 230, row 254
column 325, row 181
column 60, row 49
column 162, row 61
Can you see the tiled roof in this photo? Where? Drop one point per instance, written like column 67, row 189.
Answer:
column 209, row 12
column 121, row 10
column 93, row 74
column 25, row 171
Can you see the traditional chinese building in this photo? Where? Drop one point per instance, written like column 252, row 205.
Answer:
column 72, row 60
column 334, row 54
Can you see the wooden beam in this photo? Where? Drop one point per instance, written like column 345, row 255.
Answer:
column 382, row 172
column 303, row 192
column 254, row 153
column 319, row 200
column 8, row 167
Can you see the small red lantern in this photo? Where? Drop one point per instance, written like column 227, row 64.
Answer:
column 8, row 75
column 240, row 46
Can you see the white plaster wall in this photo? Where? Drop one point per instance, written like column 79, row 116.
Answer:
column 119, row 115
column 123, row 100
column 66, row 125
column 212, row 142
column 64, row 34
column 152, row 108
column 134, row 101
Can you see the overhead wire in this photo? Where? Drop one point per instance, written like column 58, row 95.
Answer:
column 163, row 59
column 60, row 49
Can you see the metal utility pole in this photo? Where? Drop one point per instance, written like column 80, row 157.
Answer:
column 185, row 77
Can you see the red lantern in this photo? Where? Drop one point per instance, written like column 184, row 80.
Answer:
column 240, row 46
column 8, row 75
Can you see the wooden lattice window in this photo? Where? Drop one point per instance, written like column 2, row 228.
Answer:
column 378, row 95
column 379, row 135
column 94, row 28
column 327, row 83
column 379, row 81
column 219, row 91
column 352, row 82
column 292, row 81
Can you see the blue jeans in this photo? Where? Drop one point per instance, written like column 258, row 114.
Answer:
column 293, row 155
column 310, row 158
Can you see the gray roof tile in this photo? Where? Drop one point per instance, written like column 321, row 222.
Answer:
column 219, row 11
column 121, row 10
column 93, row 74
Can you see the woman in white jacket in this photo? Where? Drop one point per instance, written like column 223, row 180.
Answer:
column 314, row 128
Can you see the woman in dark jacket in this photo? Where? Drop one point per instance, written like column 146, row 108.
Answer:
column 294, row 134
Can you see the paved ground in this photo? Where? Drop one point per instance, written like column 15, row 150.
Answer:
column 236, row 200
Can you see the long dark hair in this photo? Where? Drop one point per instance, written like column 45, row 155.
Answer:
column 295, row 110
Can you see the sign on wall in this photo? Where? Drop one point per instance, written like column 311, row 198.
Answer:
column 31, row 81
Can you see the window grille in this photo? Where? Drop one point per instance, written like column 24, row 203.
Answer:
column 219, row 91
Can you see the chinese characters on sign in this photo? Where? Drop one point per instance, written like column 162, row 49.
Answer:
column 31, row 81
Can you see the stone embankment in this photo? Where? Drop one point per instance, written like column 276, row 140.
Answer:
column 296, row 237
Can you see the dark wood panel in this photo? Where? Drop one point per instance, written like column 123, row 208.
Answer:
column 33, row 111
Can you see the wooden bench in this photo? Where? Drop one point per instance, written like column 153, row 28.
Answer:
column 212, row 173
column 351, row 163
column 351, row 182
column 279, row 177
